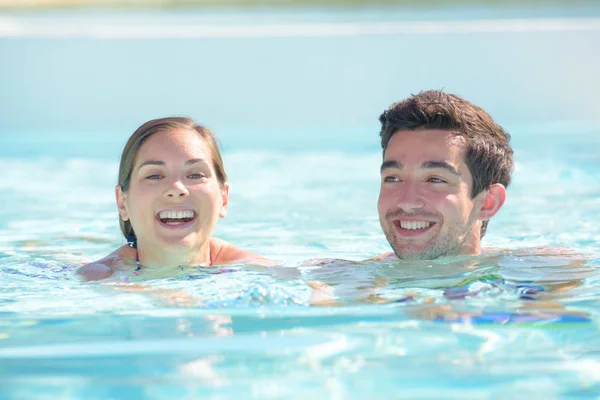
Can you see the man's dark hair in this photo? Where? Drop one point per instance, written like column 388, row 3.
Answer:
column 488, row 154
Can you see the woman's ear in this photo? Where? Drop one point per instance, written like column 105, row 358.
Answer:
column 225, row 202
column 494, row 198
column 121, row 203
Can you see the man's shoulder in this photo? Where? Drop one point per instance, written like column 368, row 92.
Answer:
column 383, row 257
column 329, row 262
column 532, row 251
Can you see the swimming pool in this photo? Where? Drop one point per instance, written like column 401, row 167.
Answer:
column 296, row 111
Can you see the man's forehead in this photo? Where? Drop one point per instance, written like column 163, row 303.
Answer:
column 434, row 142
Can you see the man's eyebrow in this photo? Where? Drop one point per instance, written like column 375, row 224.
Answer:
column 440, row 165
column 390, row 164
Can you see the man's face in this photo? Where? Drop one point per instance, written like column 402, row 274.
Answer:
column 425, row 205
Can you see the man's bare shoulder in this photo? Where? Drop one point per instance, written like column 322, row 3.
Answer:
column 541, row 251
column 107, row 266
column 226, row 253
column 384, row 257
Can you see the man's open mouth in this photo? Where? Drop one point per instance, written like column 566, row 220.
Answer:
column 411, row 228
column 176, row 217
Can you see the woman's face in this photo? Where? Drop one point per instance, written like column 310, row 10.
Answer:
column 174, row 197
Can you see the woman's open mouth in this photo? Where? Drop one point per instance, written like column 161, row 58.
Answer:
column 176, row 218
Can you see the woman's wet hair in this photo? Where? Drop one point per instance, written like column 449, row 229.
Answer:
column 138, row 138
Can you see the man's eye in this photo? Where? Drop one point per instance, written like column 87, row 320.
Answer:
column 196, row 176
column 154, row 176
column 436, row 180
column 391, row 179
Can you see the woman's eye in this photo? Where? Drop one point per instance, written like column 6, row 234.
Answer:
column 154, row 176
column 196, row 176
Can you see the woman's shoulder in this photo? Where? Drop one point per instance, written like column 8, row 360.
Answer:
column 225, row 253
column 105, row 267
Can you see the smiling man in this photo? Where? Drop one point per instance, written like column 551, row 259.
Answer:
column 446, row 165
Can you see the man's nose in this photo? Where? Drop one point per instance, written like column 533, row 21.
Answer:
column 409, row 197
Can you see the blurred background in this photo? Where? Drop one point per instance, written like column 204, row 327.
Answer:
column 278, row 72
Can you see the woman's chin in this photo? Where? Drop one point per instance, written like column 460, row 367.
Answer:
column 179, row 242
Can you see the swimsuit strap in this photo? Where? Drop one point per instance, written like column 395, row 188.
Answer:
column 138, row 267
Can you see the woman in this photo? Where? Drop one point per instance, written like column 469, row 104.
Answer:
column 172, row 190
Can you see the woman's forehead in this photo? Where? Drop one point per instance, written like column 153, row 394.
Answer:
column 184, row 143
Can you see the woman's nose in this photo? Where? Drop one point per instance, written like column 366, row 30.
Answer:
column 177, row 189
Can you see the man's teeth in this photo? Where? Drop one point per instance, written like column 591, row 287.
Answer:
column 414, row 224
column 175, row 214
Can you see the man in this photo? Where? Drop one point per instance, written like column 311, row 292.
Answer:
column 446, row 165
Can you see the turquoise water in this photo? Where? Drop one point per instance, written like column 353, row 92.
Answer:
column 296, row 111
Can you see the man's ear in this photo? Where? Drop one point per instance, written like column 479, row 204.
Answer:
column 225, row 195
column 494, row 198
column 121, row 197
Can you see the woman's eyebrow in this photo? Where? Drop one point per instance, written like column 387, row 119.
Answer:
column 162, row 163
column 195, row 160
column 151, row 162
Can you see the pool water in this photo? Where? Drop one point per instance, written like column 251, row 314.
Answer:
column 296, row 113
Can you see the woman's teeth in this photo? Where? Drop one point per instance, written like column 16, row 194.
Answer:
column 175, row 217
column 176, row 214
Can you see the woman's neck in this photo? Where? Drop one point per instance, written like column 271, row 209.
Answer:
column 154, row 257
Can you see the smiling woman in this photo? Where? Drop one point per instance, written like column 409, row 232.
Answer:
column 172, row 190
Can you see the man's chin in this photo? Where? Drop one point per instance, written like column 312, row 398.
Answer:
column 412, row 252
